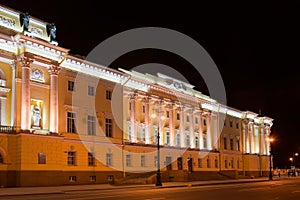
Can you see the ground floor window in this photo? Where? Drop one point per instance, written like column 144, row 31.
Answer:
column 1, row 159
column 72, row 178
column 92, row 178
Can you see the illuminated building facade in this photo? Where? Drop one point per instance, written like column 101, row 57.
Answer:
column 63, row 120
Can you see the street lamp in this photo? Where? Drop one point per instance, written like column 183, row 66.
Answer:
column 270, row 172
column 161, row 118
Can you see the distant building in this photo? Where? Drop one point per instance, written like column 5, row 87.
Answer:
column 63, row 120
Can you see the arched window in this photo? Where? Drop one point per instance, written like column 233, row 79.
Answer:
column 1, row 159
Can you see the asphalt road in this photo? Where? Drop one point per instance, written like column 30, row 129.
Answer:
column 273, row 190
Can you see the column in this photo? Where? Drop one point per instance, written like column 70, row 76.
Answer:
column 192, row 135
column 200, row 131
column 3, row 110
column 133, row 119
column 182, row 142
column 251, row 136
column 268, row 143
column 25, row 107
column 262, row 137
column 13, row 93
column 54, row 70
column 209, row 134
column 246, row 136
column 214, row 130
column 147, row 121
column 171, row 125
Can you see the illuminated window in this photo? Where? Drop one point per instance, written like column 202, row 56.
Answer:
column 197, row 142
column 108, row 127
column 71, row 158
column 108, row 94
column 71, row 86
column 205, row 141
column 108, row 159
column 155, row 135
column 91, row 91
column 188, row 141
column 71, row 122
column 143, row 136
column 41, row 158
column 91, row 159
column 168, row 138
column 177, row 139
column 91, row 125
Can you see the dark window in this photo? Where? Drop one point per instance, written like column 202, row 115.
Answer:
column 167, row 114
column 41, row 158
column 167, row 138
column 1, row 159
column 204, row 122
column 177, row 139
column 225, row 143
column 187, row 118
column 237, row 125
column 216, row 163
column 188, row 141
column 91, row 91
column 93, row 178
column 108, row 127
column 197, row 142
column 71, row 158
column 72, row 178
column 143, row 109
column 178, row 116
column 108, row 159
column 108, row 94
column 91, row 159
column 238, row 145
column 199, row 162
column 230, row 123
column 71, row 122
column 196, row 120
column 224, row 122
column 91, row 125
column 143, row 161
column 232, row 163
column 71, row 86
column 204, row 141
column 128, row 160
column 231, row 144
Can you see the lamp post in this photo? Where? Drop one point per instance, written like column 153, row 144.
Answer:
column 270, row 172
column 161, row 118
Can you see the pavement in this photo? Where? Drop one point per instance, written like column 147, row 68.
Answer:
column 18, row 191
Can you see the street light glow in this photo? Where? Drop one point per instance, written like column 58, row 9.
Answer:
column 296, row 154
column 291, row 159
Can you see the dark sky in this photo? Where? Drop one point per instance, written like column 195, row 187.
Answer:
column 255, row 47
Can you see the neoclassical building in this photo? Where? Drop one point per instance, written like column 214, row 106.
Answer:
column 65, row 120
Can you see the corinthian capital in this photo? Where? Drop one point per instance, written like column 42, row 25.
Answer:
column 54, row 69
column 25, row 61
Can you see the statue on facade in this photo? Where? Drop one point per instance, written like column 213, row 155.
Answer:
column 51, row 31
column 36, row 116
column 24, row 21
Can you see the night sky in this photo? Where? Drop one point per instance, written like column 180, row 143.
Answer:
column 255, row 47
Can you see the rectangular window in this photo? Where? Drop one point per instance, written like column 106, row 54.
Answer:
column 224, row 122
column 91, row 91
column 208, row 163
column 108, row 94
column 71, row 86
column 155, row 161
column 237, row 125
column 199, row 162
column 196, row 120
column 108, row 159
column 177, row 139
column 204, row 122
column 238, row 164
column 230, row 123
column 108, row 127
column 187, row 118
column 205, row 141
column 128, row 160
column 91, row 125
column 41, row 158
column 72, row 178
column 143, row 134
column 91, row 159
column 188, row 141
column 71, row 158
column 178, row 116
column 226, row 164
column 232, row 163
column 231, row 144
column 216, row 163
column 71, row 122
column 168, row 114
column 92, row 178
column 143, row 108
column 143, row 161
column 168, row 138
column 225, row 142
column 238, row 145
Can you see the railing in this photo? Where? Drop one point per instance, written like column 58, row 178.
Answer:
column 7, row 129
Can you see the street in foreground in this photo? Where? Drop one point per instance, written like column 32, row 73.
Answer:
column 268, row 190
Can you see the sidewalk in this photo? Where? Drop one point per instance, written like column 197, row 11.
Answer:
column 62, row 189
